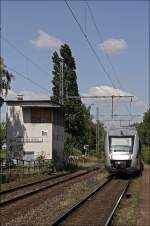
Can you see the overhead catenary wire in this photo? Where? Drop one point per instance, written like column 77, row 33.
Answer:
column 26, row 57
column 29, row 79
column 102, row 39
column 90, row 45
column 107, row 56
column 92, row 48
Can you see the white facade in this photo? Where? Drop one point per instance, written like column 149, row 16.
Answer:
column 35, row 128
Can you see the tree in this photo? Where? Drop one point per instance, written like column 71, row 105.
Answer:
column 2, row 134
column 144, row 132
column 79, row 127
column 5, row 79
column 73, row 108
column 144, row 129
column 56, row 77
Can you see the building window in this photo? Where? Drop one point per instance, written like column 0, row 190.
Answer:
column 37, row 115
column 44, row 133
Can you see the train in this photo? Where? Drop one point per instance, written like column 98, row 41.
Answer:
column 123, row 151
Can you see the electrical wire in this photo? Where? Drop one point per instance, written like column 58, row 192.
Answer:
column 92, row 48
column 27, row 78
column 26, row 57
column 107, row 56
column 90, row 45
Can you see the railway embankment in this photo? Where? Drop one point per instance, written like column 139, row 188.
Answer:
column 45, row 206
column 143, row 210
column 134, row 208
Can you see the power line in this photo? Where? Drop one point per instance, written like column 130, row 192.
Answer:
column 101, row 38
column 22, row 54
column 107, row 56
column 90, row 44
column 27, row 78
column 92, row 48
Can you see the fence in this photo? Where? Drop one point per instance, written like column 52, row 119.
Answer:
column 15, row 168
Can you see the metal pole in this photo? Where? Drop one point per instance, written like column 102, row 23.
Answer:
column 97, row 129
column 62, row 84
column 112, row 113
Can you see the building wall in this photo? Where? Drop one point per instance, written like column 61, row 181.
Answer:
column 42, row 145
column 34, row 139
column 58, row 145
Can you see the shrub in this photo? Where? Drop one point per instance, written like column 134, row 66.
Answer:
column 2, row 154
column 76, row 152
column 50, row 167
column 146, row 154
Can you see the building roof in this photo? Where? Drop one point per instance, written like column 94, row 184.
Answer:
column 35, row 103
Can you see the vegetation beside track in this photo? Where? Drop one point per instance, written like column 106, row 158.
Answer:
column 126, row 214
column 144, row 132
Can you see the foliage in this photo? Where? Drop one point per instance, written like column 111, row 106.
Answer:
column 76, row 152
column 5, row 79
column 146, row 154
column 94, row 153
column 2, row 154
column 79, row 127
column 2, row 134
column 144, row 129
column 144, row 132
column 50, row 168
column 69, row 144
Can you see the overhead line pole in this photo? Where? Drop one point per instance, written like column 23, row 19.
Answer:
column 103, row 97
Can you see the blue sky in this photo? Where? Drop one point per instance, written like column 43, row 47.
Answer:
column 124, row 20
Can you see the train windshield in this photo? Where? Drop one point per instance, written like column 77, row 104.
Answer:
column 121, row 144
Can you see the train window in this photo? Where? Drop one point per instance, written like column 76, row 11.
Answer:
column 121, row 144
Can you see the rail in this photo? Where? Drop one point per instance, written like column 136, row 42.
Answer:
column 60, row 220
column 19, row 197
column 68, row 212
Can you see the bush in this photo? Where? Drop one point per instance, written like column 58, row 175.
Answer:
column 96, row 154
column 51, row 167
column 76, row 152
column 2, row 154
column 146, row 154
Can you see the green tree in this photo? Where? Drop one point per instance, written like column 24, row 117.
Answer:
column 144, row 132
column 73, row 107
column 79, row 126
column 2, row 133
column 56, row 77
column 5, row 79
column 144, row 129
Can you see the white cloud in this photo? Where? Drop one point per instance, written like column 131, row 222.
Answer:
column 44, row 40
column 113, row 46
column 106, row 91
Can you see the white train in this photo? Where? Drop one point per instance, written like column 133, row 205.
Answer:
column 123, row 151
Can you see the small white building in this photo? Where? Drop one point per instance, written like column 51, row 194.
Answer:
column 35, row 128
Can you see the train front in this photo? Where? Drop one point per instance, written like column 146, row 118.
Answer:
column 121, row 151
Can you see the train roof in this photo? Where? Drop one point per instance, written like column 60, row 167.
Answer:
column 126, row 131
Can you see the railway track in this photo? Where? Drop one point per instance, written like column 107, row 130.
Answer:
column 98, row 207
column 17, row 193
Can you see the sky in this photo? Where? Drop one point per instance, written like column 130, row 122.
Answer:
column 32, row 31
